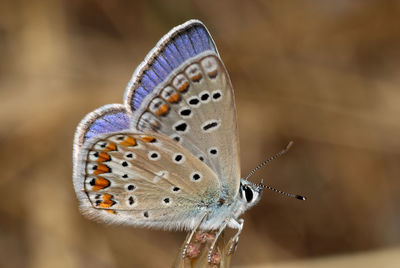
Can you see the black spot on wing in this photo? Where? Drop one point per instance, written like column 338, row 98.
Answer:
column 181, row 127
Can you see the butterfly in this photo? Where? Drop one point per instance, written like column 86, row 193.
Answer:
column 168, row 157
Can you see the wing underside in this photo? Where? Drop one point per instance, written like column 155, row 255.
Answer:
column 195, row 107
column 143, row 180
column 171, row 150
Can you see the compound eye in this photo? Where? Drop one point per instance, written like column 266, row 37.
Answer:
column 248, row 193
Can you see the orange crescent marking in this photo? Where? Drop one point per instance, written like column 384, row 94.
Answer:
column 105, row 204
column 212, row 74
column 101, row 168
column 129, row 141
column 111, row 147
column 100, row 183
column 103, row 156
column 174, row 98
column 107, row 201
column 184, row 86
column 196, row 77
column 107, row 197
column 163, row 110
column 148, row 139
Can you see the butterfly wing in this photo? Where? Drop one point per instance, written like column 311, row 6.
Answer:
column 106, row 119
column 183, row 90
column 141, row 179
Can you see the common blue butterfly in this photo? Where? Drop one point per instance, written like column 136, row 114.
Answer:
column 168, row 157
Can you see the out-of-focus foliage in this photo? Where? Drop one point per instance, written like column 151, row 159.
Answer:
column 325, row 74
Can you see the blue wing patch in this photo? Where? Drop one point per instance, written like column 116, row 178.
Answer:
column 181, row 43
column 106, row 119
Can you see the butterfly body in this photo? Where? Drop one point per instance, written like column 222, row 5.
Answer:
column 168, row 157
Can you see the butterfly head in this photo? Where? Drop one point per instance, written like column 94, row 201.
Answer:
column 250, row 193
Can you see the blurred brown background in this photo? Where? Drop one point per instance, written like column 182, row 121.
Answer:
column 325, row 74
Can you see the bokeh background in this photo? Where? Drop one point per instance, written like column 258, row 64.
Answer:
column 325, row 74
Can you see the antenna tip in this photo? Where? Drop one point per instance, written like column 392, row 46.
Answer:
column 289, row 145
column 301, row 197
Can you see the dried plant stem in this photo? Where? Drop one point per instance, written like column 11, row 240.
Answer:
column 198, row 249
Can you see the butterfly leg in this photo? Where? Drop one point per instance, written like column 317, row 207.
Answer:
column 237, row 224
column 189, row 239
column 221, row 229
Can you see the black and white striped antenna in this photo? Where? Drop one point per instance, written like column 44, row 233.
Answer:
column 251, row 173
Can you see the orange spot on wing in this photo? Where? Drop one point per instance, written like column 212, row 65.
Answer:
column 174, row 98
column 148, row 139
column 101, row 168
column 197, row 77
column 105, row 204
column 103, row 156
column 184, row 86
column 163, row 109
column 212, row 74
column 107, row 201
column 129, row 141
column 107, row 197
column 100, row 183
column 111, row 147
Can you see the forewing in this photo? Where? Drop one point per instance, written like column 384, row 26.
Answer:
column 189, row 97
